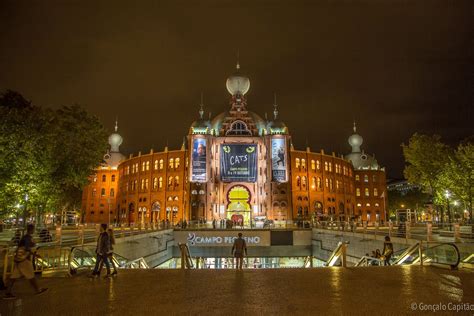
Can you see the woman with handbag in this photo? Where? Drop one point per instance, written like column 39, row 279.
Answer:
column 23, row 266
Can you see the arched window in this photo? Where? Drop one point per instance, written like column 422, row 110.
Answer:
column 176, row 181
column 376, row 192
column 113, row 178
column 156, row 207
column 161, row 164
column 366, row 178
column 155, row 183
column 142, row 186
column 357, row 191
column 337, row 184
column 313, row 164
column 94, row 192
column 112, row 192
column 176, row 163
column 102, row 192
column 313, row 183
column 330, row 167
column 143, row 166
column 303, row 181
column 298, row 181
column 297, row 162
column 331, row 187
column 148, row 165
column 104, row 178
column 238, row 127
column 135, row 184
column 325, row 166
column 327, row 182
column 160, row 182
column 303, row 163
column 367, row 193
column 170, row 181
column 319, row 184
column 171, row 163
column 127, row 170
column 146, row 184
column 357, row 178
column 318, row 165
column 156, row 165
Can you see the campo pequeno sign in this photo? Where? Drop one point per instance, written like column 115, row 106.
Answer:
column 221, row 238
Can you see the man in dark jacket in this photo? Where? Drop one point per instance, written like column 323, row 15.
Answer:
column 102, row 249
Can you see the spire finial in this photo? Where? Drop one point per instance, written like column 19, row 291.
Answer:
column 116, row 123
column 355, row 128
column 275, row 106
column 201, row 107
column 238, row 63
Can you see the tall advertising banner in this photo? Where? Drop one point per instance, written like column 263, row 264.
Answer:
column 279, row 160
column 198, row 160
column 239, row 162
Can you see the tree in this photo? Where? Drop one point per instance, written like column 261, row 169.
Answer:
column 458, row 174
column 426, row 158
column 45, row 154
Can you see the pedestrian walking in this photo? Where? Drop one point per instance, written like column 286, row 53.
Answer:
column 110, row 254
column 23, row 265
column 387, row 251
column 102, row 250
column 238, row 250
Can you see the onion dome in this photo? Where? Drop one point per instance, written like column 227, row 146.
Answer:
column 114, row 157
column 355, row 140
column 238, row 84
column 276, row 126
column 201, row 126
column 358, row 158
column 115, row 140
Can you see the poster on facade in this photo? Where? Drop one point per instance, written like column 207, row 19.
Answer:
column 199, row 169
column 279, row 161
column 239, row 162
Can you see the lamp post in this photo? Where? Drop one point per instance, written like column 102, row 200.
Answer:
column 455, row 203
column 25, row 211
column 447, row 194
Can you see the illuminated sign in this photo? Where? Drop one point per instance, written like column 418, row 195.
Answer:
column 279, row 161
column 198, row 161
column 194, row 239
column 238, row 163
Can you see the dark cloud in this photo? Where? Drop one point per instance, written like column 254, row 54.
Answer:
column 395, row 66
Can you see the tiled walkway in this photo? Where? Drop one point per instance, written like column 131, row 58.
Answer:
column 323, row 291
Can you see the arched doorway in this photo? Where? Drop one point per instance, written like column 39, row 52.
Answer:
column 238, row 207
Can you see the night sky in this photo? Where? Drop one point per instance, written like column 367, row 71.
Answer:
column 395, row 66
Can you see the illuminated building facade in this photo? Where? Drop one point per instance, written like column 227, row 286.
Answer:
column 241, row 167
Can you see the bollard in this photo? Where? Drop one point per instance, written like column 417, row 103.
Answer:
column 81, row 234
column 407, row 231
column 457, row 232
column 420, row 252
column 58, row 234
column 429, row 232
column 376, row 230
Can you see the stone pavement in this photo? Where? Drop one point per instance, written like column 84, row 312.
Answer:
column 326, row 291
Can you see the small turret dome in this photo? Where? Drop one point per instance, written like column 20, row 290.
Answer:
column 200, row 126
column 115, row 140
column 276, row 126
column 238, row 83
column 355, row 140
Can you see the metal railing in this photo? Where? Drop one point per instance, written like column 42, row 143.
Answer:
column 338, row 254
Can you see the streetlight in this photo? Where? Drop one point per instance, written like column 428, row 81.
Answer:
column 25, row 210
column 447, row 194
column 455, row 203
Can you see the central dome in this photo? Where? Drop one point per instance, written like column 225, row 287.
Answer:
column 238, row 83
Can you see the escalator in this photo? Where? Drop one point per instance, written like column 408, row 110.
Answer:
column 444, row 255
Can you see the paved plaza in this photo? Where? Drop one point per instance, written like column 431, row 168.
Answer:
column 324, row 291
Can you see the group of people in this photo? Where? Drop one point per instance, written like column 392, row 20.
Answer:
column 386, row 253
column 104, row 251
